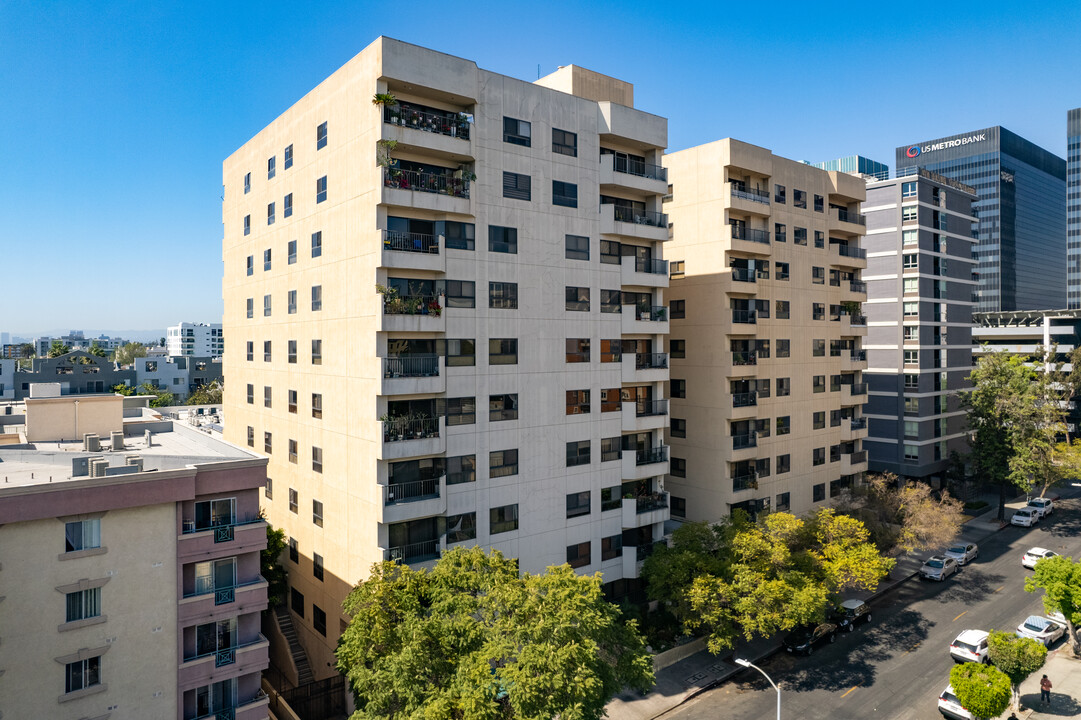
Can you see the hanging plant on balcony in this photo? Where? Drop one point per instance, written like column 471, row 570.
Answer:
column 382, row 154
column 384, row 99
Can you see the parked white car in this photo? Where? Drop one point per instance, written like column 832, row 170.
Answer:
column 951, row 707
column 1044, row 506
column 970, row 646
column 1041, row 629
column 1034, row 555
column 963, row 553
column 938, row 567
column 1025, row 517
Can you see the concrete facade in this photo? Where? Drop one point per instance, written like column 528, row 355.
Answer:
column 78, row 372
column 130, row 589
column 766, row 338
column 195, row 339
column 921, row 289
column 7, row 379
column 509, row 392
column 180, row 375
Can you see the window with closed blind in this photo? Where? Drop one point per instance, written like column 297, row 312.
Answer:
column 517, row 186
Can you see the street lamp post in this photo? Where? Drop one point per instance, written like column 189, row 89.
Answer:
column 743, row 663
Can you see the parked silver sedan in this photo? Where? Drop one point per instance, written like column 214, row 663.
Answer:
column 1041, row 629
column 963, row 553
column 939, row 567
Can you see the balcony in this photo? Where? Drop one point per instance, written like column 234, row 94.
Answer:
column 744, row 399
column 431, row 130
column 853, row 325
column 645, row 510
column 744, row 275
column 413, row 375
column 415, row 553
column 640, row 224
column 747, row 481
column 743, row 363
column 857, row 286
column 643, row 415
column 254, row 709
column 854, row 360
column 744, row 441
column 744, row 317
column 848, row 256
column 854, row 462
column 643, row 464
column 225, row 539
column 847, row 222
column 244, row 597
column 414, row 499
column 854, row 394
column 627, row 173
column 405, row 437
column 749, row 240
column 643, row 320
column 242, row 659
column 412, row 313
column 413, row 251
column 853, row 429
column 639, row 272
column 644, row 367
column 446, row 191
column 748, row 200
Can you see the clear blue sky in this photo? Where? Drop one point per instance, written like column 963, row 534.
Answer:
column 115, row 116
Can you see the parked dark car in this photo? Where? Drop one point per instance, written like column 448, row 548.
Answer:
column 804, row 639
column 851, row 613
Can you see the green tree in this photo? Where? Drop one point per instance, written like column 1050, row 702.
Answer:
column 162, row 398
column 122, row 389
column 1060, row 579
column 26, row 351
column 271, row 567
column 908, row 516
column 209, row 394
column 474, row 638
column 97, row 350
column 58, row 348
column 126, row 354
column 696, row 549
column 983, row 690
column 1016, row 657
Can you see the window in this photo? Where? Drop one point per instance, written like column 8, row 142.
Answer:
column 578, row 453
column 779, row 194
column 82, row 535
column 910, row 237
column 912, row 357
column 83, row 604
column 799, row 199
column 820, row 239
column 611, row 301
column 610, row 400
column 761, row 467
column 611, row 498
column 317, row 406
column 459, row 235
column 321, row 190
column 909, row 214
column 517, row 186
column 503, row 295
column 911, row 309
column 502, row 351
column 317, row 298
column 461, row 411
column 818, row 275
column 784, row 463
column 251, row 394
column 577, row 299
column 288, row 157
column 317, row 513
column 818, row 383
column 611, row 449
column 266, row 306
column 268, row 489
column 247, row 183
column 461, row 469
column 317, row 244
column 912, row 382
column 247, row 231
column 799, row 236
column 268, row 439
column 564, row 194
column 679, row 388
column 784, row 425
column 910, row 261
column 679, row 428
column 912, row 430
column 294, row 504
column 251, row 436
column 317, row 459
column 911, row 286
column 502, row 463
column 319, row 618
column 296, row 601
column 784, row 502
column 251, row 350
column 503, row 519
column 611, row 252
column 502, row 239
column 270, row 163
column 611, row 351
column 912, row 453
column 819, row 203
column 677, row 348
column 564, row 143
column 784, row 387
column 502, row 407
column 517, row 132
column 82, row 674
column 267, row 394
column 611, row 547
column 251, row 264
column 577, row 350
column 292, row 302
column 317, row 352
column 818, row 420
column 783, row 312
column 818, row 348
column 912, row 406
column 461, row 294
column 908, row 190
column 780, row 233
column 818, row 311
column 784, row 348
column 293, row 451
column 461, row 528
column 577, row 247
column 818, row 456
column 819, row 492
column 677, row 308
column 577, row 402
column 578, row 555
column 269, row 217
column 578, row 504
column 267, row 351
column 287, row 206
column 321, row 137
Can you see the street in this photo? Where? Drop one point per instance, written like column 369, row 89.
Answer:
column 896, row 666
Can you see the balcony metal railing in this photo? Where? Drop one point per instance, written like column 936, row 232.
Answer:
column 744, row 357
column 857, row 319
column 402, row 428
column 850, row 251
column 744, row 482
column 859, row 388
column 740, row 442
column 640, row 217
column 225, row 656
column 411, row 366
column 653, row 267
column 857, row 286
column 752, row 194
column 741, row 274
column 648, row 503
column 218, row 524
column 746, row 399
column 222, row 595
column 650, row 361
column 852, row 217
column 858, row 356
column 411, row 242
column 742, row 232
column 650, row 408
column 411, row 491
column 744, row 316
column 444, row 183
column 652, row 313
column 857, row 423
column 414, row 552
column 858, row 457
column 442, row 123
column 653, row 455
column 638, row 168
column 411, row 305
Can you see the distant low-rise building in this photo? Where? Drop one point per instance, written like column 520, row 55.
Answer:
column 77, row 372
column 179, row 375
column 195, row 339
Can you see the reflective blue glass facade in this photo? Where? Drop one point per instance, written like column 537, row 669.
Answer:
column 856, row 164
column 1022, row 219
column 1073, row 209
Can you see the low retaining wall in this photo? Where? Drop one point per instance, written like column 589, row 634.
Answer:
column 673, row 656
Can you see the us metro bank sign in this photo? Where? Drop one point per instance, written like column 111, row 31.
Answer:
column 917, row 150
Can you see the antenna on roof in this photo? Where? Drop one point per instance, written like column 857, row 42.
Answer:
column 538, row 71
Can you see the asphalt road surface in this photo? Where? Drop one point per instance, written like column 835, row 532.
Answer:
column 896, row 666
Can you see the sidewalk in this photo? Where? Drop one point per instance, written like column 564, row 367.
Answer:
column 1065, row 675
column 682, row 680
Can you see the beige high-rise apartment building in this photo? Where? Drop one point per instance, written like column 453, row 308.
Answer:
column 766, row 378
column 505, row 385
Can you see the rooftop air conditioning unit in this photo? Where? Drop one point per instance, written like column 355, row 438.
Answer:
column 91, row 443
column 117, row 440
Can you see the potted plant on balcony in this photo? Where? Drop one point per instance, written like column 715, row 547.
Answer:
column 414, row 118
column 389, row 103
column 434, row 309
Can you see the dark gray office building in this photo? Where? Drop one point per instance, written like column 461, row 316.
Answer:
column 1073, row 209
column 1021, row 251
